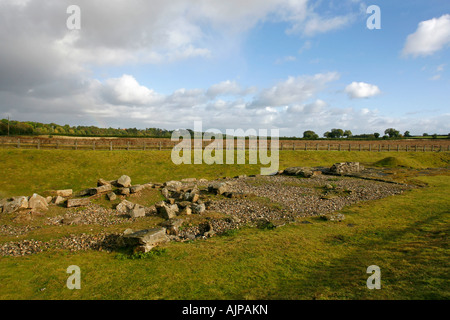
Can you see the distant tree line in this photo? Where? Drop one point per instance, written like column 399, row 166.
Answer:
column 37, row 128
column 15, row 128
column 389, row 133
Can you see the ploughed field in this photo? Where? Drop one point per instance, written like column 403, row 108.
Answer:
column 101, row 143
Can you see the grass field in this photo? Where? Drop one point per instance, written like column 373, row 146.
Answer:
column 406, row 236
column 27, row 171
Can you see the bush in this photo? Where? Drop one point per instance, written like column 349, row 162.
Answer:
column 310, row 135
column 230, row 232
column 266, row 225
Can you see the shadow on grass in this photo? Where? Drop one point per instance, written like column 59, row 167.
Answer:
column 402, row 271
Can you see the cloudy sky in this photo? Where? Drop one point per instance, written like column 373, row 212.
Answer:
column 295, row 65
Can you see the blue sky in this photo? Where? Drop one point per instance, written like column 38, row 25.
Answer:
column 293, row 65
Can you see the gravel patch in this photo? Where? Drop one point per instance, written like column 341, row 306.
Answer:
column 7, row 230
column 300, row 197
column 91, row 214
column 82, row 242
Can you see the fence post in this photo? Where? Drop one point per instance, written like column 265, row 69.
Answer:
column 293, row 146
column 57, row 144
column 339, row 147
column 349, row 147
column 398, row 148
column 370, row 147
column 306, row 146
column 432, row 148
column 76, row 145
column 317, row 147
column 128, row 145
column 160, row 146
column 379, row 148
column 18, row 143
column 407, row 148
column 93, row 145
column 110, row 146
column 389, row 147
column 144, row 146
column 359, row 147
column 39, row 144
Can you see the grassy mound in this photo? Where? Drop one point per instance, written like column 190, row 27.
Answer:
column 392, row 162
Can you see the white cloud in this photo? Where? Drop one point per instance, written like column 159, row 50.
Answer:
column 318, row 24
column 431, row 36
column 306, row 46
column 185, row 99
column 285, row 59
column 228, row 88
column 436, row 77
column 310, row 108
column 126, row 90
column 359, row 90
column 294, row 90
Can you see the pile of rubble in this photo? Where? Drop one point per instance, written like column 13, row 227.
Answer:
column 341, row 168
column 34, row 203
column 346, row 168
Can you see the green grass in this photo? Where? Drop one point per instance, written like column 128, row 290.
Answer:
column 25, row 172
column 405, row 235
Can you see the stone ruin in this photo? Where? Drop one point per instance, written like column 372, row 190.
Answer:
column 337, row 168
column 302, row 172
column 183, row 198
column 346, row 168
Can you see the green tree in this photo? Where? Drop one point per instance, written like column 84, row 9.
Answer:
column 348, row 133
column 376, row 135
column 337, row 133
column 392, row 133
column 310, row 135
column 407, row 134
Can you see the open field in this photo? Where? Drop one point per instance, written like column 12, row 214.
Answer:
column 28, row 171
column 406, row 235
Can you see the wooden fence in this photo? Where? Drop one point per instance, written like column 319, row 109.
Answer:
column 167, row 144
